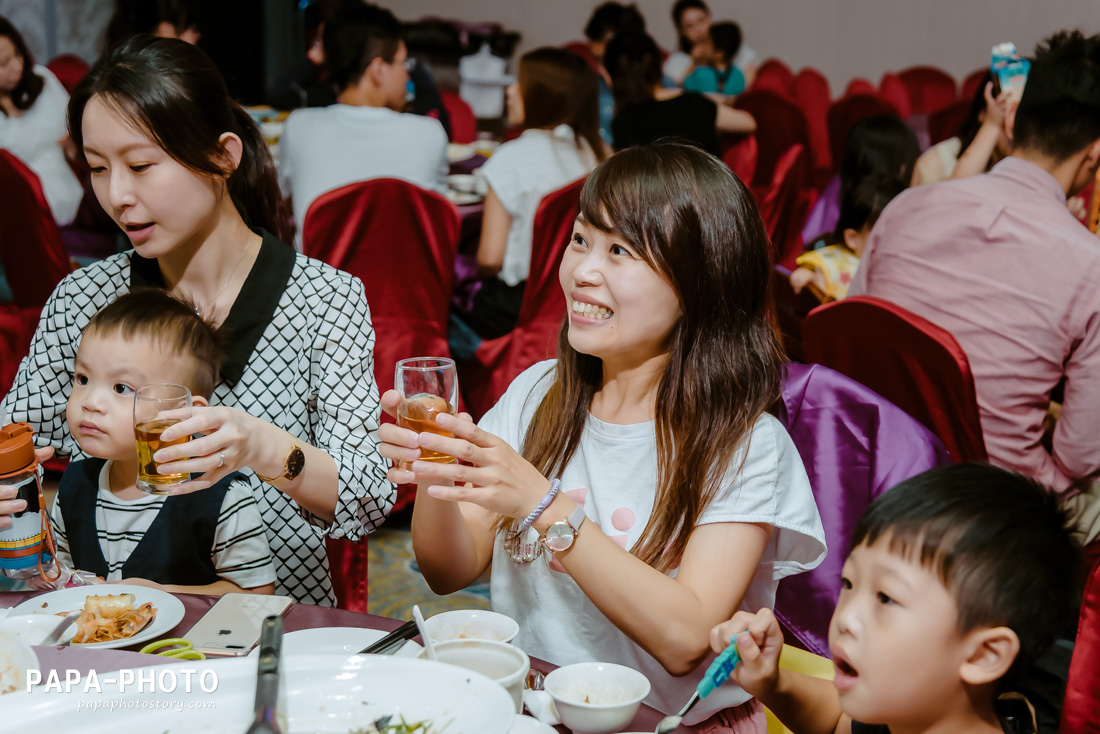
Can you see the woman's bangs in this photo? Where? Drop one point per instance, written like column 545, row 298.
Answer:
column 616, row 199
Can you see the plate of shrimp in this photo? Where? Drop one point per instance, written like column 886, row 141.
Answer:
column 112, row 615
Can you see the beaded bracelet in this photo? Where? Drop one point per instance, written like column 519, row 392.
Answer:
column 555, row 487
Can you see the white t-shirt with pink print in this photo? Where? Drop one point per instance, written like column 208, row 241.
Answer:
column 614, row 476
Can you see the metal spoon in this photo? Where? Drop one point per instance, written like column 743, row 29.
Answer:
column 668, row 724
column 717, row 674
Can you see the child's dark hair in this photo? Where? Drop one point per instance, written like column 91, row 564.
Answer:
column 357, row 34
column 30, row 84
column 172, row 323
column 634, row 62
column 1059, row 113
column 611, row 18
column 882, row 144
column 726, row 38
column 171, row 92
column 862, row 205
column 999, row 542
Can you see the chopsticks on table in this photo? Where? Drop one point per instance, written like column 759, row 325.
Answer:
column 393, row 641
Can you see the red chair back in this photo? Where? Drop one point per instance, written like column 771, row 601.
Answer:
column 847, row 111
column 811, row 90
column 946, row 123
column 347, row 563
column 893, row 90
column 775, row 76
column 929, row 88
column 463, row 122
column 499, row 361
column 904, row 358
column 741, row 158
column 1083, row 686
column 401, row 241
column 582, row 49
column 786, row 205
column 779, row 125
column 31, row 248
column 860, row 85
column 973, row 82
column 69, row 70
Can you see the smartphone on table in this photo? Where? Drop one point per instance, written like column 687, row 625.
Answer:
column 231, row 627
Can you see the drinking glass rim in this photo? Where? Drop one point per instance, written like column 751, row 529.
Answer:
column 186, row 391
column 444, row 363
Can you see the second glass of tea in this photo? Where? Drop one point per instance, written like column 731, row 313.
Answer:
column 156, row 407
column 429, row 386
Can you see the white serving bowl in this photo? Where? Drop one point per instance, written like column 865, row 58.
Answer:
column 596, row 698
column 30, row 628
column 471, row 624
column 464, row 182
column 16, row 660
column 506, row 664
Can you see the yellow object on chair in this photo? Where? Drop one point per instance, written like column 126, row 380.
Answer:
column 800, row 661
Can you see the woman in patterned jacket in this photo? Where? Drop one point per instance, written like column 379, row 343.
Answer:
column 185, row 173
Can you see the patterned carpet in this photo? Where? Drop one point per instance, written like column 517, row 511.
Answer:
column 395, row 583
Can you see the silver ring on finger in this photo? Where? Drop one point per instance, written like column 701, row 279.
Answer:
column 221, row 460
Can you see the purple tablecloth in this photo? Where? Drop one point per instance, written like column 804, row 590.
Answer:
column 300, row 616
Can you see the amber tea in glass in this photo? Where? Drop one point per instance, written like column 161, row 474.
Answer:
column 156, row 407
column 429, row 386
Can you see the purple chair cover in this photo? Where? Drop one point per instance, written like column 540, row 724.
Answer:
column 855, row 446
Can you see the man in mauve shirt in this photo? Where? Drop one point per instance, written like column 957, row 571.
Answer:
column 999, row 262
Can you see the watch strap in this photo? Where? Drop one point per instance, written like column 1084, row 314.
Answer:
column 576, row 517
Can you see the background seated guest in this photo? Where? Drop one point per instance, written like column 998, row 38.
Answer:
column 209, row 542
column 164, row 18
column 982, row 141
column 670, row 517
column 607, row 20
column 946, row 604
column 32, row 123
column 365, row 135
column 829, row 267
column 185, row 172
column 720, row 76
column 883, row 145
column 647, row 112
column 696, row 47
column 999, row 262
column 554, row 99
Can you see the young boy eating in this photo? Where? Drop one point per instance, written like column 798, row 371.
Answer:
column 208, row 542
column 958, row 580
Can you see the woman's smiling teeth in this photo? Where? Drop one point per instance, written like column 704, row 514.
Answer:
column 592, row 311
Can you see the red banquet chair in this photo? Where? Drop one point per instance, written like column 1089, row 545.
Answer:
column 584, row 50
column 973, row 82
column 741, row 158
column 946, row 123
column 785, row 206
column 790, row 309
column 775, row 76
column 860, row 85
column 847, row 111
column 1082, row 699
column 463, row 122
column 499, row 361
column 893, row 90
column 34, row 260
column 904, row 358
column 779, row 125
column 929, row 88
column 811, row 91
column 69, row 70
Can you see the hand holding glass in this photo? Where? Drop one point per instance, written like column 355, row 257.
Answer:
column 155, row 408
column 428, row 386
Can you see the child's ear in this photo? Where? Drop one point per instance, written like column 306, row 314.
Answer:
column 200, row 400
column 992, row 651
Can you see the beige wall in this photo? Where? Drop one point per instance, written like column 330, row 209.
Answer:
column 843, row 38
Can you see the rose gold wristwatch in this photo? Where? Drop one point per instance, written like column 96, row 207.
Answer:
column 293, row 466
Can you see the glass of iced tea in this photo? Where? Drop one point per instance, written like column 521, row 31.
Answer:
column 429, row 386
column 155, row 408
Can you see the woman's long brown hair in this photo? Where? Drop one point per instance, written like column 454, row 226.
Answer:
column 697, row 225
column 560, row 87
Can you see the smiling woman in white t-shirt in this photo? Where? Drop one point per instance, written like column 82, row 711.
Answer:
column 556, row 100
column 682, row 499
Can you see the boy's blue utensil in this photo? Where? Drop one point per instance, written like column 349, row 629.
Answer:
column 717, row 674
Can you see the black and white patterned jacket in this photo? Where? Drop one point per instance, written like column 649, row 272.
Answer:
column 299, row 354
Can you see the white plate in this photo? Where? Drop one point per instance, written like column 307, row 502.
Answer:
column 321, row 694
column 336, row 641
column 528, row 725
column 169, row 610
column 461, row 198
column 16, row 659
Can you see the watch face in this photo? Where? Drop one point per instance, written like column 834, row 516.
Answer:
column 559, row 536
column 295, row 463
